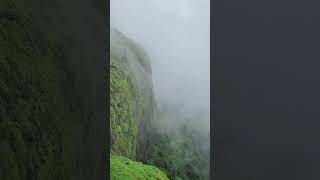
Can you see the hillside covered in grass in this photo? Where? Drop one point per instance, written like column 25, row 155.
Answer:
column 123, row 168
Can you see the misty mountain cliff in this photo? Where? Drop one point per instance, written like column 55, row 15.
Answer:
column 132, row 109
column 131, row 96
column 142, row 132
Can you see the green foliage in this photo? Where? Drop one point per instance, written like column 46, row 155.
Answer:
column 123, row 125
column 122, row 168
column 180, row 156
column 167, row 158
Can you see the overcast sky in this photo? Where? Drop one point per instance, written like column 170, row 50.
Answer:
column 176, row 35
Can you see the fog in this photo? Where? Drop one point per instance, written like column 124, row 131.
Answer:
column 176, row 35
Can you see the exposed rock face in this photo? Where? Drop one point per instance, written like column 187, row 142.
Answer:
column 52, row 90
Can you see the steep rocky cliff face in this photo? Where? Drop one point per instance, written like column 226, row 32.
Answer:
column 131, row 95
column 132, row 108
column 52, row 90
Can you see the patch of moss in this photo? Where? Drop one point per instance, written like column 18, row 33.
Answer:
column 122, row 168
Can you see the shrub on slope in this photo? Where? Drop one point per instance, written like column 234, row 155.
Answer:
column 122, row 168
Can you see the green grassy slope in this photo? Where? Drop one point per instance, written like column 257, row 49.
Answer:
column 122, row 168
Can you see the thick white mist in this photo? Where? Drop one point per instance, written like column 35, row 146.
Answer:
column 176, row 35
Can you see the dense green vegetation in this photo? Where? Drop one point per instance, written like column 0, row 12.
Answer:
column 181, row 155
column 122, row 168
column 123, row 127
